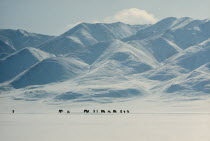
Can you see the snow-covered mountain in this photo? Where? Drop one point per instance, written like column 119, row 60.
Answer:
column 194, row 83
column 182, row 63
column 110, row 62
column 20, row 61
column 160, row 28
column 86, row 34
column 5, row 49
column 19, row 39
column 184, row 32
column 117, row 51
column 157, row 48
column 50, row 70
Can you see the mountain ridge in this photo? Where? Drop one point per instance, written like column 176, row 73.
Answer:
column 113, row 62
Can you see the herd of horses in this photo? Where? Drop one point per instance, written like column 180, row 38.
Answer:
column 98, row 111
column 93, row 111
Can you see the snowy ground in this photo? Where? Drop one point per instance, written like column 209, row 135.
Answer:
column 80, row 127
column 150, row 119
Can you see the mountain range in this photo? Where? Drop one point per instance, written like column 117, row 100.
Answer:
column 104, row 62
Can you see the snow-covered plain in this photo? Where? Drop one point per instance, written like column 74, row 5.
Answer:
column 80, row 127
column 149, row 119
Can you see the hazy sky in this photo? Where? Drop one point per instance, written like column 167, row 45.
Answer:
column 57, row 16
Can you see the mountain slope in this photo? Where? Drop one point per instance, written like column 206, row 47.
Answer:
column 191, row 34
column 19, row 39
column 197, row 81
column 101, row 31
column 16, row 63
column 159, row 28
column 194, row 57
column 118, row 53
column 50, row 70
column 5, row 49
column 157, row 47
column 182, row 63
column 86, row 34
column 184, row 32
column 62, row 45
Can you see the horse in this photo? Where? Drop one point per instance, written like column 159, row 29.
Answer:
column 60, row 111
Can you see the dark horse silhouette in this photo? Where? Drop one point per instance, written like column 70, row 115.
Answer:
column 60, row 111
column 86, row 111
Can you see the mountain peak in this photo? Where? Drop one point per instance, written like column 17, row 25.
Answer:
column 23, row 32
column 169, row 19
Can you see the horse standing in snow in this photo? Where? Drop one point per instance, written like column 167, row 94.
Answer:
column 60, row 111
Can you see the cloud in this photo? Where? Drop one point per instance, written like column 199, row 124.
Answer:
column 132, row 16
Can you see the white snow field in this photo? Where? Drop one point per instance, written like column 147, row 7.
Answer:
column 80, row 127
column 149, row 119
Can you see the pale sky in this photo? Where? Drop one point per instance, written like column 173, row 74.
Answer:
column 54, row 17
